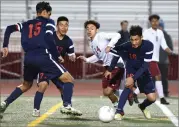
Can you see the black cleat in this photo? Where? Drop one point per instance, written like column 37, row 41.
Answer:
column 131, row 99
column 164, row 101
column 136, row 98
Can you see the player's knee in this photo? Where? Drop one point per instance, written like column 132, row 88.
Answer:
column 25, row 86
column 42, row 86
column 152, row 97
column 107, row 91
column 66, row 77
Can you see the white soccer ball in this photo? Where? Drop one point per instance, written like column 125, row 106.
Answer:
column 106, row 114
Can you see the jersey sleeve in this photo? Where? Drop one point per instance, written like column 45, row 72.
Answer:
column 163, row 42
column 50, row 26
column 148, row 53
column 92, row 59
column 70, row 49
column 9, row 30
column 113, row 37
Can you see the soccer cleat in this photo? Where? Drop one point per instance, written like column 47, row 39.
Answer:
column 146, row 113
column 131, row 99
column 3, row 107
column 36, row 113
column 136, row 98
column 115, row 104
column 118, row 116
column 68, row 110
column 164, row 101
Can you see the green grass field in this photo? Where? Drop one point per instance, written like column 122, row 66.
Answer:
column 19, row 113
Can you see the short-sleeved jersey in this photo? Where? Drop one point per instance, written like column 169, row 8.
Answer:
column 33, row 33
column 136, row 57
column 64, row 46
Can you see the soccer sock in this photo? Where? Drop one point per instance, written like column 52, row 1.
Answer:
column 136, row 91
column 14, row 95
column 123, row 99
column 67, row 93
column 37, row 100
column 62, row 96
column 146, row 103
column 120, row 92
column 159, row 88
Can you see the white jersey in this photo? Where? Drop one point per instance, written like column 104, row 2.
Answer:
column 157, row 38
column 98, row 45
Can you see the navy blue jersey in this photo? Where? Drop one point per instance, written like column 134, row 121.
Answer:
column 33, row 31
column 64, row 46
column 137, row 59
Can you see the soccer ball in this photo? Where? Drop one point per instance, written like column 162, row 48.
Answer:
column 106, row 114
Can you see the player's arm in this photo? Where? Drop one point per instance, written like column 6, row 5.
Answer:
column 9, row 30
column 165, row 46
column 113, row 37
column 50, row 28
column 71, row 51
column 91, row 59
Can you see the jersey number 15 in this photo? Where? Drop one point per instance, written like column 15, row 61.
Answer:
column 34, row 30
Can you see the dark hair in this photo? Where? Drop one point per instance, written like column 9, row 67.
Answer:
column 136, row 30
column 154, row 16
column 124, row 21
column 43, row 6
column 95, row 23
column 62, row 18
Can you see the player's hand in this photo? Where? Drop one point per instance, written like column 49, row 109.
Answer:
column 60, row 59
column 108, row 48
column 83, row 58
column 108, row 74
column 129, row 82
column 5, row 52
column 72, row 58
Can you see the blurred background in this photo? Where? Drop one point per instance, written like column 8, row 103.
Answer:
column 108, row 13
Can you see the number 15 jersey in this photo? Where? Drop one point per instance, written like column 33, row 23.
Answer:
column 33, row 31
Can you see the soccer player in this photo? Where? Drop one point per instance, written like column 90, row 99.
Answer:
column 156, row 36
column 37, row 41
column 139, row 55
column 64, row 46
column 99, row 41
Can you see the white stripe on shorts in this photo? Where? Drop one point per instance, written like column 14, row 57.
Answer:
column 54, row 62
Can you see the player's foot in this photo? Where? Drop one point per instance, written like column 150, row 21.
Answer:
column 118, row 116
column 136, row 98
column 68, row 110
column 145, row 112
column 3, row 107
column 1, row 116
column 164, row 101
column 131, row 99
column 115, row 104
column 36, row 113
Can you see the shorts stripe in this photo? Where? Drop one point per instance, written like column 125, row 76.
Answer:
column 61, row 69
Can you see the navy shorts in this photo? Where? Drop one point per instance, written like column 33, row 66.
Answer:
column 145, row 82
column 40, row 61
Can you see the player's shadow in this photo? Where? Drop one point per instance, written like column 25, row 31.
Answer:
column 72, row 118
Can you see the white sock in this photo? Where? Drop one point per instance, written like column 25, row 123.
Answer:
column 137, row 91
column 120, row 92
column 159, row 88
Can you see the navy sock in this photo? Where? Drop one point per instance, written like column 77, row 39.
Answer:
column 37, row 100
column 67, row 93
column 14, row 95
column 122, row 100
column 146, row 103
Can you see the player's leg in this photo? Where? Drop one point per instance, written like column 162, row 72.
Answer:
column 149, row 90
column 154, row 69
column 68, row 81
column 29, row 75
column 42, row 84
